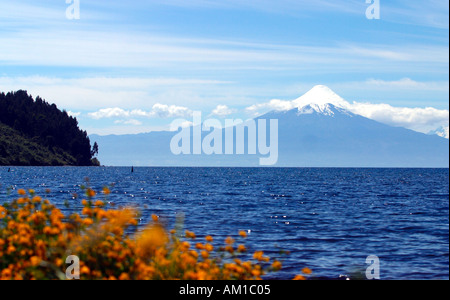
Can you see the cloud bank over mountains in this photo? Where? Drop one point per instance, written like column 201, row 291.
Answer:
column 418, row 119
column 110, row 98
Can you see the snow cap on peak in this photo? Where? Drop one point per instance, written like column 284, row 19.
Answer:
column 320, row 96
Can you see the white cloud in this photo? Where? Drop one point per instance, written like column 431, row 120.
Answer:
column 275, row 104
column 418, row 119
column 74, row 114
column 109, row 113
column 159, row 111
column 222, row 111
column 172, row 111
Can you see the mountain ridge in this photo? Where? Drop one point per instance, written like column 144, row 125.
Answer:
column 316, row 133
column 36, row 133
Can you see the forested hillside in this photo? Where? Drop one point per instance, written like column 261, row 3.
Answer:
column 34, row 132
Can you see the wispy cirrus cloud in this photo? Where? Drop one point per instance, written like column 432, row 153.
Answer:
column 75, row 49
column 89, row 93
column 408, row 83
column 430, row 13
column 281, row 6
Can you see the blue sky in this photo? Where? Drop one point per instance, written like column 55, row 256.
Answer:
column 133, row 67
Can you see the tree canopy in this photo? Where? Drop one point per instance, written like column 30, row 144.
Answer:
column 43, row 123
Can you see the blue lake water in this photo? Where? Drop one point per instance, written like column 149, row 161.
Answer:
column 329, row 219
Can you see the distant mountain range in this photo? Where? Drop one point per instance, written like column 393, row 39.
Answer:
column 318, row 132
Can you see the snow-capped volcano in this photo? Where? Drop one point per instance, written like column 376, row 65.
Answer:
column 319, row 129
column 321, row 95
column 443, row 131
column 320, row 99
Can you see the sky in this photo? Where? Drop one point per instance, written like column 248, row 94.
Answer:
column 127, row 67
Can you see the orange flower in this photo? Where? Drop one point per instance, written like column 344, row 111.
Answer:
column 88, row 221
column 85, row 270
column 209, row 247
column 21, row 192
column 106, row 191
column 36, row 199
column 276, row 265
column 299, row 277
column 2, row 212
column 243, row 234
column 241, row 248
column 90, row 193
column 190, row 235
column 205, row 254
column 39, row 230
column 35, row 261
column 151, row 239
column 307, row 271
column 258, row 255
column 58, row 262
column 229, row 249
column 229, row 241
